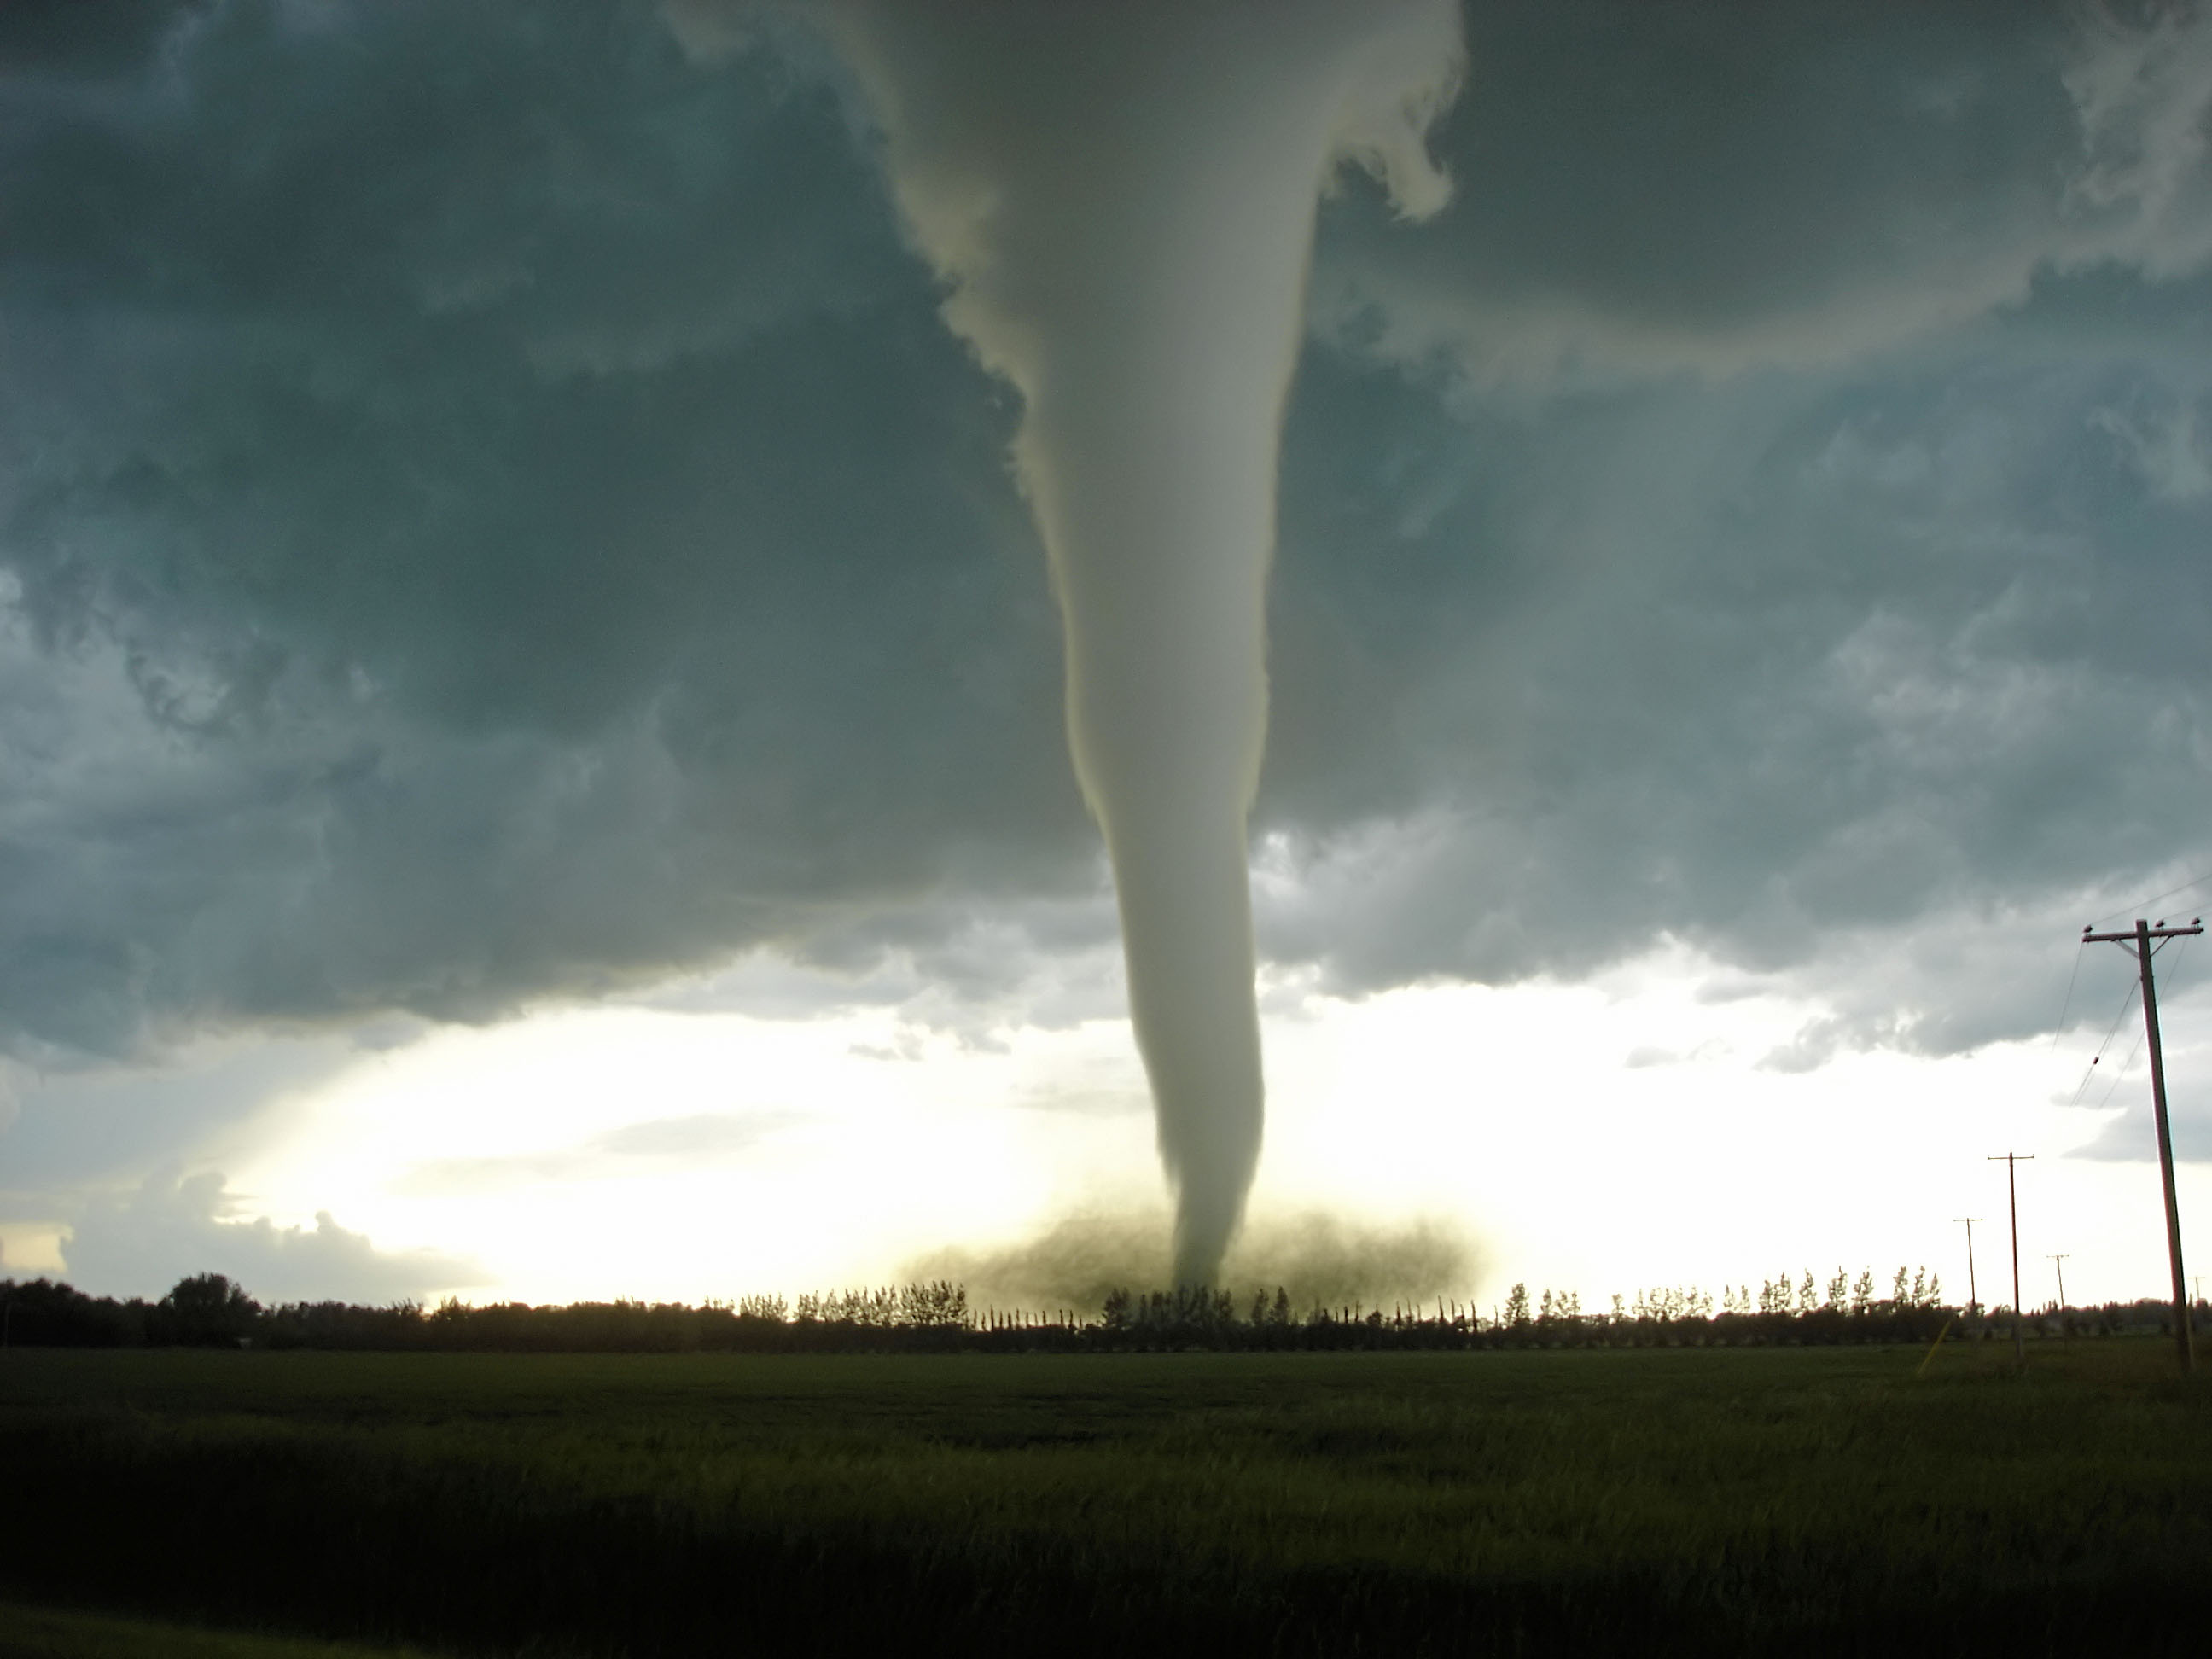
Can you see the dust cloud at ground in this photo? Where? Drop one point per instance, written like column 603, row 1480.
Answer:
column 1318, row 1256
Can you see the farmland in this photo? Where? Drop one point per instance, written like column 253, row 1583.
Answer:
column 1824, row 1499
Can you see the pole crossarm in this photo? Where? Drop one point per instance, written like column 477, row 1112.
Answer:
column 2141, row 931
column 2138, row 941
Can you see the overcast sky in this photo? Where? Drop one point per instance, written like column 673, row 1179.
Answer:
column 506, row 575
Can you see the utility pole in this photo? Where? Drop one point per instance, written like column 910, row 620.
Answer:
column 2059, row 1261
column 2011, row 1162
column 2140, row 942
column 1973, row 1296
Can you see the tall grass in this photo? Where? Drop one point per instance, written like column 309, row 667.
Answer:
column 37, row 1632
column 1643, row 1501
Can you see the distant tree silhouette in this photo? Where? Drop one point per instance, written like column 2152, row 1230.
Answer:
column 938, row 1305
column 207, row 1311
column 1516, row 1308
column 43, row 1314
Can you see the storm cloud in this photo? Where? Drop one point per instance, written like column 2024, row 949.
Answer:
column 490, row 512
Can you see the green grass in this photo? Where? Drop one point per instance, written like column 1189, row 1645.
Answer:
column 1693, row 1500
column 27, row 1632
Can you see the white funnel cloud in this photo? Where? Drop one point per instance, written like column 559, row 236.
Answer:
column 1121, row 199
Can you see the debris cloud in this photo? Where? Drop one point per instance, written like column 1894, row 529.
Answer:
column 1321, row 1258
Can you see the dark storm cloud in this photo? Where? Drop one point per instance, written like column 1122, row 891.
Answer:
column 1722, row 187
column 1761, row 667
column 1767, row 511
column 489, row 510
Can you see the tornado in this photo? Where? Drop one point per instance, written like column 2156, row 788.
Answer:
column 1119, row 197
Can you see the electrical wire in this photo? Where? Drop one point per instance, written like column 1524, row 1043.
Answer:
column 2120, row 1076
column 2140, row 905
column 2067, row 1007
column 2112, row 1030
column 2134, row 1048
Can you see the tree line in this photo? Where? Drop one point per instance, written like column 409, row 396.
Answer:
column 210, row 1310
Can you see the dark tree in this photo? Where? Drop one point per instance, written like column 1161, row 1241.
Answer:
column 207, row 1311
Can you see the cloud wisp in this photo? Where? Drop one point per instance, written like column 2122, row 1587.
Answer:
column 657, row 1143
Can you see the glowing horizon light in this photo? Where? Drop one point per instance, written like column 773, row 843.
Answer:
column 575, row 1153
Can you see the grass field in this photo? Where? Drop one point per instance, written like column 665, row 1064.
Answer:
column 1688, row 1500
column 34, row 1632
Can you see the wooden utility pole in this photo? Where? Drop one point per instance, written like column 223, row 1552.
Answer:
column 2012, row 1161
column 1973, row 1295
column 2059, row 1261
column 2140, row 942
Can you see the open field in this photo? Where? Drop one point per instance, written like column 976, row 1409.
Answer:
column 34, row 1633
column 1731, row 1501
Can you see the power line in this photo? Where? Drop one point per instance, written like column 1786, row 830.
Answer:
column 2119, row 1076
column 2067, row 1007
column 2145, row 904
column 2127, row 1001
column 2135, row 1048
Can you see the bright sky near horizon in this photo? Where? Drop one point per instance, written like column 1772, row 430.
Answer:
column 1638, row 1129
column 531, row 758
